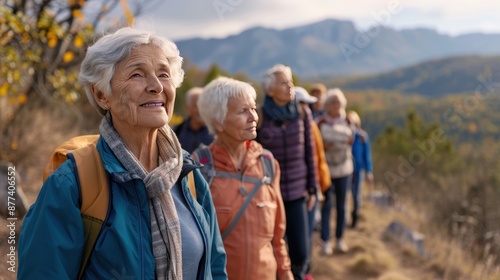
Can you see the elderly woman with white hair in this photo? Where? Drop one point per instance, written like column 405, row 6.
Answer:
column 337, row 139
column 244, row 182
column 285, row 130
column 155, row 228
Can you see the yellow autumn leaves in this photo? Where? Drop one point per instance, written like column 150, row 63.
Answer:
column 19, row 99
column 40, row 50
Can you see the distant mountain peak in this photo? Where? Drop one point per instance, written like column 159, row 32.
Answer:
column 320, row 48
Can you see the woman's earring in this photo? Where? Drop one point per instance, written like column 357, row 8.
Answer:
column 105, row 107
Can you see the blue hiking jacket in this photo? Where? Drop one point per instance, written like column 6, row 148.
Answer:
column 361, row 152
column 52, row 239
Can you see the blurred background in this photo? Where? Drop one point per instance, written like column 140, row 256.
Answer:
column 423, row 75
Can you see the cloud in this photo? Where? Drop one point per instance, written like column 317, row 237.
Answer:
column 219, row 18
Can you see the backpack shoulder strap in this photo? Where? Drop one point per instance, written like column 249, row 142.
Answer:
column 268, row 169
column 94, row 194
column 320, row 120
column 93, row 182
column 267, row 159
column 59, row 155
column 204, row 156
column 301, row 109
column 363, row 136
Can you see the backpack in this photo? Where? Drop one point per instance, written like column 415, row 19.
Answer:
column 204, row 156
column 93, row 183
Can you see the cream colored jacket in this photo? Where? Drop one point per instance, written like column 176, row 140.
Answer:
column 337, row 140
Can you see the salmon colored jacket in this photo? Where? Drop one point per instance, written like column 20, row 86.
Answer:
column 255, row 247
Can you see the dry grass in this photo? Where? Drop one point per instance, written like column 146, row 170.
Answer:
column 446, row 259
column 393, row 276
column 32, row 139
column 373, row 256
column 373, row 263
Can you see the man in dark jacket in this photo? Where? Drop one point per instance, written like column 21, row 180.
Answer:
column 193, row 131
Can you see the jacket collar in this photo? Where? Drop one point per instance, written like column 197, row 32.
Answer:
column 254, row 150
column 114, row 167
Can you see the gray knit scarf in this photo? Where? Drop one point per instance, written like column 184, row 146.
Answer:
column 165, row 227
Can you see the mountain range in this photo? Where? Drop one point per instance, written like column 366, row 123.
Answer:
column 332, row 48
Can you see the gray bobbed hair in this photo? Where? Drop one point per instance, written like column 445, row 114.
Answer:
column 212, row 104
column 98, row 66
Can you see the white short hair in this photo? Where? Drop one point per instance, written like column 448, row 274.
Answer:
column 195, row 91
column 98, row 66
column 270, row 75
column 335, row 93
column 212, row 104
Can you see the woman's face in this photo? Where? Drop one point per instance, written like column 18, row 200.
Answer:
column 333, row 108
column 241, row 119
column 282, row 90
column 142, row 92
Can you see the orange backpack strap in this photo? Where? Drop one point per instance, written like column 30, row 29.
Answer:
column 94, row 189
column 59, row 155
column 94, row 194
column 93, row 182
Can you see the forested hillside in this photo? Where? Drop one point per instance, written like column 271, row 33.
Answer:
column 464, row 118
column 434, row 78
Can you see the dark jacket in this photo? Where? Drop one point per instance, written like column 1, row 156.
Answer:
column 190, row 139
column 292, row 145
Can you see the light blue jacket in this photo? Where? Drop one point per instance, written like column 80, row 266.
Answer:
column 52, row 239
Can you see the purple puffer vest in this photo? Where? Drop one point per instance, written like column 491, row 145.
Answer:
column 291, row 144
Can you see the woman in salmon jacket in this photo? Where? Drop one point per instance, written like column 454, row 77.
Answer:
column 244, row 182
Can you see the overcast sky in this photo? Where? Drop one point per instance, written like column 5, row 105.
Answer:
column 181, row 19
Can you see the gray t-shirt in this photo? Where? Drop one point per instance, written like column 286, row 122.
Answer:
column 192, row 241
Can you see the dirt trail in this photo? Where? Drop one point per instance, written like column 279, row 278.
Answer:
column 371, row 255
